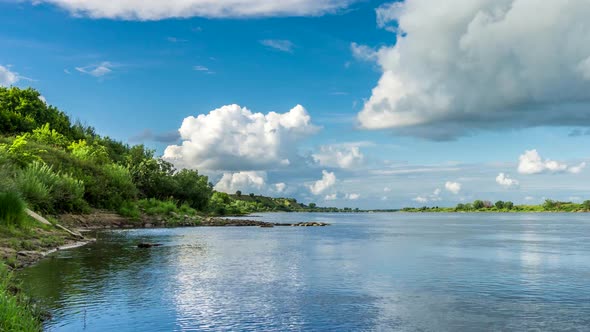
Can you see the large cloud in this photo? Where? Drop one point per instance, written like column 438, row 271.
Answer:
column 531, row 162
column 463, row 65
column 233, row 138
column 7, row 77
column 327, row 181
column 157, row 9
column 244, row 181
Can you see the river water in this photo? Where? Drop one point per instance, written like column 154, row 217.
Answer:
column 366, row 272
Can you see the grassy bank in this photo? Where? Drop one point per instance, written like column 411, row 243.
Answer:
column 501, row 206
column 16, row 311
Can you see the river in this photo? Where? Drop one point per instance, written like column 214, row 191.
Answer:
column 366, row 272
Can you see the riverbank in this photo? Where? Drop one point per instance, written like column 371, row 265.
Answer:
column 22, row 248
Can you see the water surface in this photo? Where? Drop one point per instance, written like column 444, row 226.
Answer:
column 366, row 272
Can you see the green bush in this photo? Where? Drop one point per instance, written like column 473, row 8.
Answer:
column 50, row 191
column 12, row 210
column 130, row 210
column 152, row 206
column 16, row 313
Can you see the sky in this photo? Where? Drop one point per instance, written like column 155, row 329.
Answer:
column 348, row 103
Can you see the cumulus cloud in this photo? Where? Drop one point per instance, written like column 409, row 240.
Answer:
column 279, row 45
column 331, row 197
column 434, row 197
column 97, row 70
column 328, row 180
column 233, row 138
column 343, row 156
column 421, row 199
column 531, row 162
column 280, row 187
column 244, row 181
column 465, row 65
column 7, row 77
column 157, row 10
column 454, row 187
column 505, row 181
column 352, row 197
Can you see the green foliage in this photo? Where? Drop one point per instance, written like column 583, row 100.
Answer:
column 50, row 191
column 192, row 189
column 19, row 151
column 478, row 204
column 95, row 153
column 130, row 210
column 49, row 136
column 12, row 210
column 21, row 111
column 153, row 207
column 16, row 313
column 109, row 187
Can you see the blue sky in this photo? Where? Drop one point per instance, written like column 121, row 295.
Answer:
column 405, row 103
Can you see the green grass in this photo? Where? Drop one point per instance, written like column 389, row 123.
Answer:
column 12, row 210
column 16, row 312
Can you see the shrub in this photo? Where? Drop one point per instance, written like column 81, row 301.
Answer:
column 51, row 191
column 130, row 210
column 153, row 206
column 12, row 210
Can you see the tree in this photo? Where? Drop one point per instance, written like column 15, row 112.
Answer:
column 549, row 204
column 478, row 204
column 312, row 205
column 252, row 195
column 193, row 189
column 508, row 205
column 500, row 205
column 239, row 193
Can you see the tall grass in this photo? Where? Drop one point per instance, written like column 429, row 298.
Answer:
column 50, row 191
column 15, row 313
column 12, row 210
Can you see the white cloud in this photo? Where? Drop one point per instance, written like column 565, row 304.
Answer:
column 343, row 156
column 421, row 199
column 464, row 65
column 328, row 180
column 280, row 187
column 386, row 189
column 505, row 181
column 279, row 45
column 577, row 169
column 352, row 197
column 157, row 9
column 243, row 181
column 531, row 163
column 99, row 70
column 454, row 187
column 434, row 197
column 203, row 69
column 234, row 138
column 331, row 197
column 7, row 77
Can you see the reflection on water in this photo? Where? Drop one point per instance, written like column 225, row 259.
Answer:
column 404, row 272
